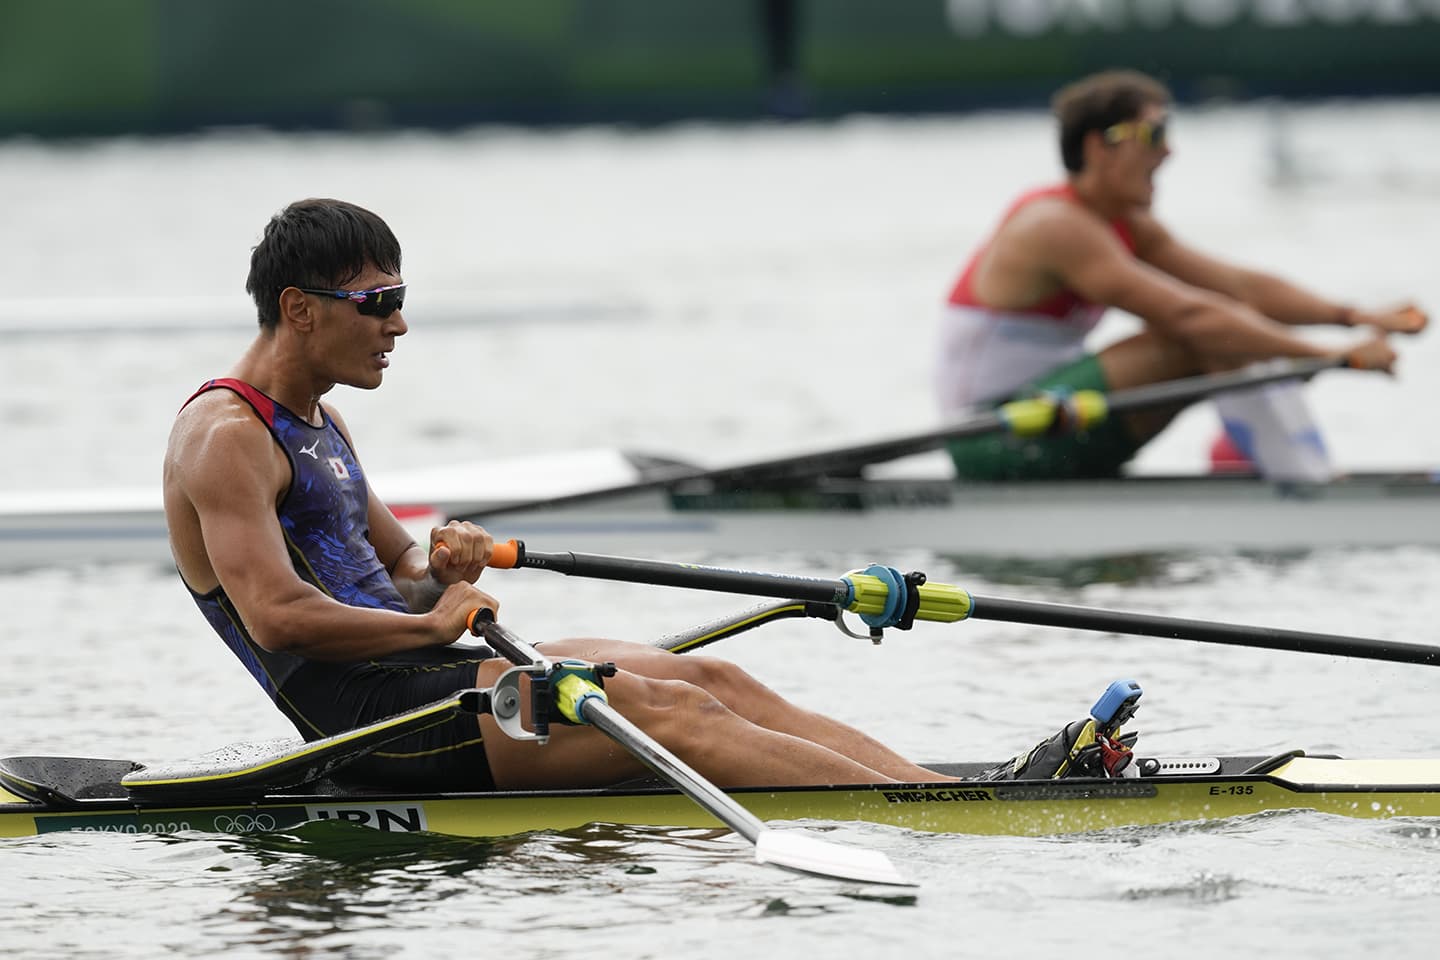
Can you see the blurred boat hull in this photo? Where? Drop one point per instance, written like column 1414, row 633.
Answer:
column 1048, row 519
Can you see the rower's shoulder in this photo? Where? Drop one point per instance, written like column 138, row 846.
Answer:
column 214, row 421
column 217, row 408
column 1053, row 217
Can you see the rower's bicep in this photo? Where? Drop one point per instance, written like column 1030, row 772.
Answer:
column 231, row 479
column 1097, row 266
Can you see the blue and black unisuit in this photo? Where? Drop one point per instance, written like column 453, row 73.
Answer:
column 323, row 518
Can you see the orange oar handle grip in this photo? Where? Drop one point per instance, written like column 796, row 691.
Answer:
column 476, row 619
column 507, row 555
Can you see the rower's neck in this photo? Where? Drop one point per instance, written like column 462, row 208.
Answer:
column 1092, row 195
column 268, row 367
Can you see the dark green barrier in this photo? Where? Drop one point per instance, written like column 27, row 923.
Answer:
column 111, row 66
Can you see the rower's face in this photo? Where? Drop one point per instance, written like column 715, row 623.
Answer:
column 1133, row 152
column 353, row 347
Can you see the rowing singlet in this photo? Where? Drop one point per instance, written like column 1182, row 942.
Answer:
column 988, row 353
column 323, row 516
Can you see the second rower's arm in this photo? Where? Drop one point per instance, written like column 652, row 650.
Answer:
column 1272, row 296
column 1087, row 257
column 233, row 475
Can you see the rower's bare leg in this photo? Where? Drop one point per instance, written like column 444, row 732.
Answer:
column 718, row 743
column 1143, row 359
column 748, row 698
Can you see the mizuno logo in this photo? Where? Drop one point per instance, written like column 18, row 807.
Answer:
column 310, row 450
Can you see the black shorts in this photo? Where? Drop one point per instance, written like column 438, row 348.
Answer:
column 323, row 699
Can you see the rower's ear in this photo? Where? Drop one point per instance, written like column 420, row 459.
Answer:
column 1092, row 146
column 296, row 309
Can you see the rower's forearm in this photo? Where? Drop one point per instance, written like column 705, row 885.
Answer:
column 421, row 594
column 328, row 630
column 413, row 579
column 1286, row 303
column 1223, row 336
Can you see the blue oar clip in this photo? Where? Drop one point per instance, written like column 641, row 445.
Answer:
column 896, row 593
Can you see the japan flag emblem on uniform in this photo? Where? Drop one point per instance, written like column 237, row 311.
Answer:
column 338, row 465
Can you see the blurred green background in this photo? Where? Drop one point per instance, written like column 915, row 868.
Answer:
column 99, row 67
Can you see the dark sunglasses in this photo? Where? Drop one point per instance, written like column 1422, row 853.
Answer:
column 1150, row 134
column 379, row 302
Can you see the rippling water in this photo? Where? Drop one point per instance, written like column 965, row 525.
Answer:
column 713, row 293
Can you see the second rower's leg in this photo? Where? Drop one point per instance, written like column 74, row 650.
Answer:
column 1272, row 425
column 748, row 698
column 1141, row 360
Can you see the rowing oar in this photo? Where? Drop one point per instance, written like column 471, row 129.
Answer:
column 788, row 849
column 884, row 597
column 1030, row 417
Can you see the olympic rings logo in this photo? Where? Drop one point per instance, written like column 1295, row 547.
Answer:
column 245, row 823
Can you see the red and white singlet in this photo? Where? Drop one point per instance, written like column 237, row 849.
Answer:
column 987, row 353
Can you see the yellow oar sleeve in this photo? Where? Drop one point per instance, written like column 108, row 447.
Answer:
column 943, row 603
column 939, row 602
column 1088, row 407
column 869, row 594
column 570, row 691
column 1037, row 416
column 1031, row 417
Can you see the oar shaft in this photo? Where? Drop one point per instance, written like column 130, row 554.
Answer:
column 1192, row 388
column 658, row 572
column 672, row 769
column 1021, row 417
column 783, row 849
column 943, row 603
column 607, row 720
column 1203, row 631
column 641, row 746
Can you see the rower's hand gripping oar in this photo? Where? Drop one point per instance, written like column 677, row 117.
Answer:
column 581, row 699
column 884, row 597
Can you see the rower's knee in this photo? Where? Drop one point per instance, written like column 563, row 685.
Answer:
column 722, row 679
column 680, row 714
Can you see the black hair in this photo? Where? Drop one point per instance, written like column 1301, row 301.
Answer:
column 316, row 243
column 1098, row 102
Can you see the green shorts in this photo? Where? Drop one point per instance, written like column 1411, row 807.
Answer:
column 1098, row 452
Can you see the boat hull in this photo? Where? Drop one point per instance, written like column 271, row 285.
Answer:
column 1073, row 518
column 1373, row 789
column 1043, row 519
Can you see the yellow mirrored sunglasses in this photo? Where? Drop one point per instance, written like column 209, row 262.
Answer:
column 1150, row 133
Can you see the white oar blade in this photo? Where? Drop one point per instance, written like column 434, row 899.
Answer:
column 807, row 854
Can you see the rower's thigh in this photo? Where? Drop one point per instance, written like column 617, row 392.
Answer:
column 1139, row 361
column 648, row 661
column 672, row 712
column 1145, row 358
